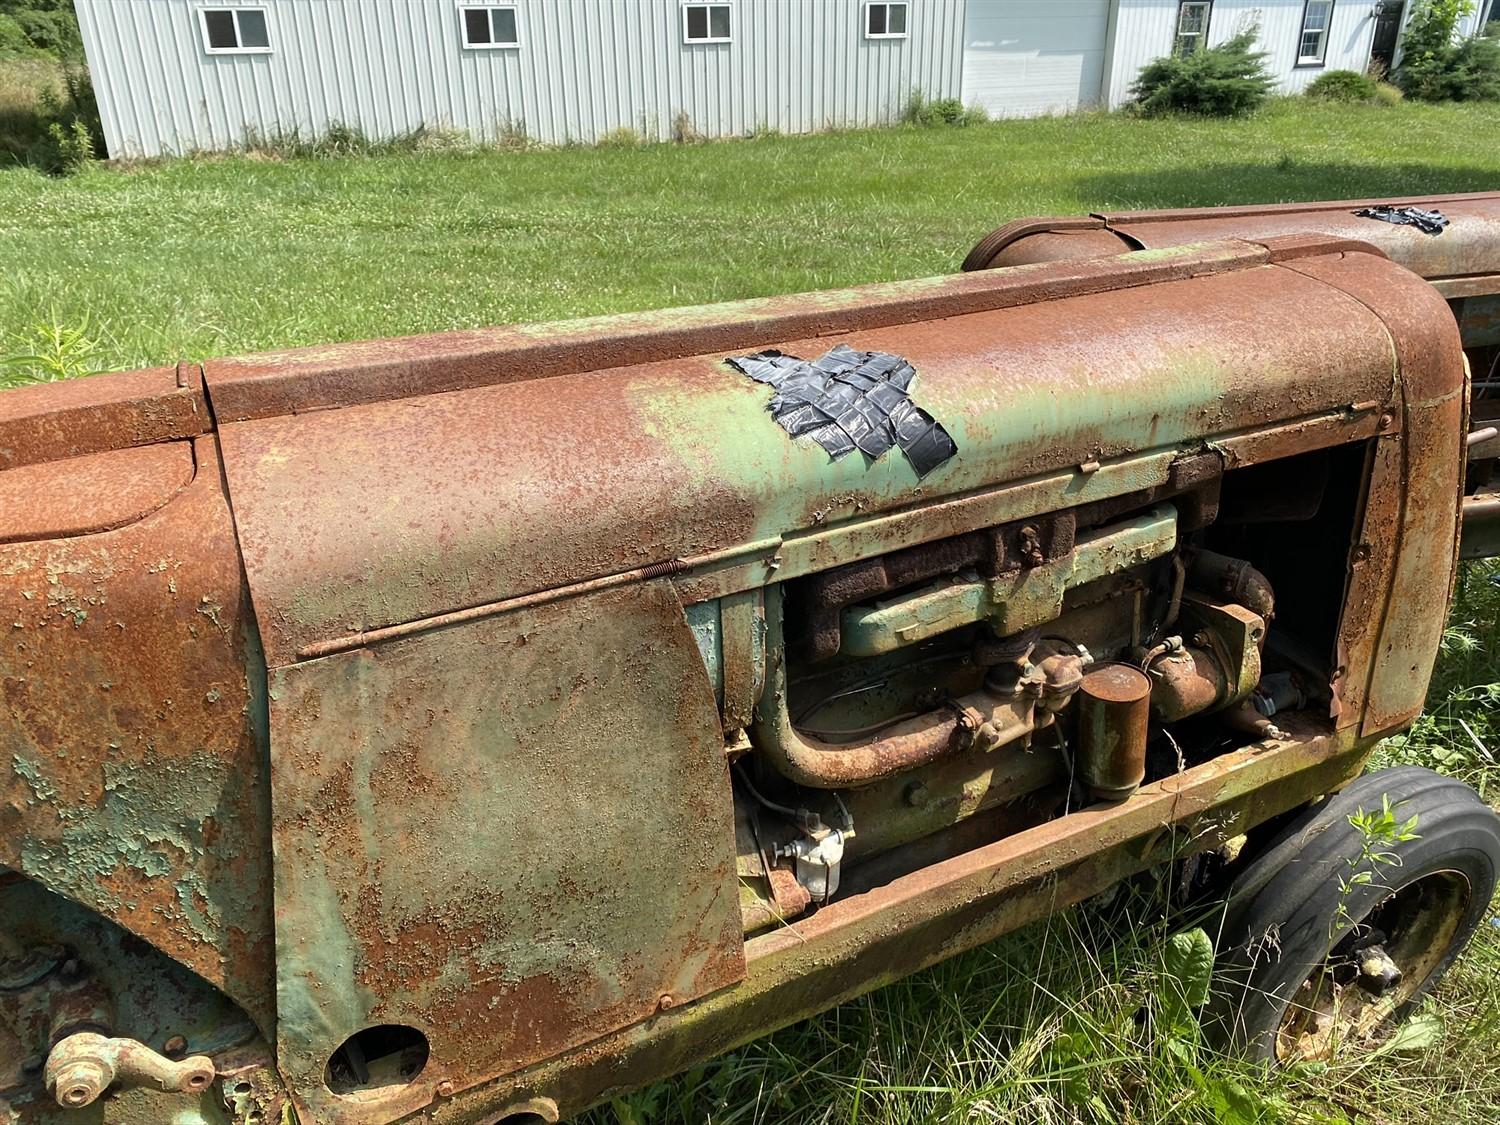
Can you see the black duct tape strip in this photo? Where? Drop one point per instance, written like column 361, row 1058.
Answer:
column 1428, row 222
column 846, row 400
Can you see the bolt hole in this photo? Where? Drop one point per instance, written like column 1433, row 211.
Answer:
column 523, row 1119
column 377, row 1059
column 242, row 1087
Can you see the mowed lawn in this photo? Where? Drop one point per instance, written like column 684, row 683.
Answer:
column 197, row 258
column 191, row 259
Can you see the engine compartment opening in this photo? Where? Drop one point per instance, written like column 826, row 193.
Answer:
column 932, row 700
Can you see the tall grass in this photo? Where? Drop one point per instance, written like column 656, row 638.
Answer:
column 23, row 85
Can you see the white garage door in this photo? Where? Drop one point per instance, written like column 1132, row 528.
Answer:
column 1028, row 57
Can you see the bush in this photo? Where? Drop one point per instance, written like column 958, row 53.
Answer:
column 1386, row 94
column 13, row 40
column 1434, row 68
column 39, row 27
column 927, row 112
column 55, row 32
column 1224, row 81
column 1343, row 86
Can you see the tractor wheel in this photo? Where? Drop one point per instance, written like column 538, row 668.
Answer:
column 1335, row 931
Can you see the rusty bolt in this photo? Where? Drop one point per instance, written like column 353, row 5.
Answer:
column 1031, row 546
column 1386, row 418
column 916, row 795
column 80, row 1083
column 175, row 1047
column 666, row 1000
column 445, row 1089
column 1202, row 640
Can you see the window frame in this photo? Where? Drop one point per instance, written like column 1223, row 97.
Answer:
column 1314, row 62
column 235, row 10
column 1208, row 16
column 490, row 9
column 905, row 31
column 707, row 6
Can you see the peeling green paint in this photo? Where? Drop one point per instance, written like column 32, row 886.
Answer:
column 150, row 823
column 26, row 769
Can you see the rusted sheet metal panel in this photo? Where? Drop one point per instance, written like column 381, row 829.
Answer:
column 1433, row 412
column 396, row 511
column 1057, row 239
column 872, row 939
column 304, row 379
column 1470, row 245
column 132, row 753
column 1481, row 526
column 515, row 835
column 52, row 421
column 95, row 492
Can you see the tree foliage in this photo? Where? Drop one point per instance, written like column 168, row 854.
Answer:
column 1436, row 66
column 39, row 27
column 1224, row 81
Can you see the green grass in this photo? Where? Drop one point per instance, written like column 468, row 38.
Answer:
column 121, row 268
column 209, row 257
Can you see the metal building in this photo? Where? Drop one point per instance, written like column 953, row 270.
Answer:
column 175, row 76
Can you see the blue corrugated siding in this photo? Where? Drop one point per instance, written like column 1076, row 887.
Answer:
column 584, row 68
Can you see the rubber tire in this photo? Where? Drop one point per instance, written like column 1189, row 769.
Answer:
column 1291, row 892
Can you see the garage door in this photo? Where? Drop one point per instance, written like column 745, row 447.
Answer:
column 1029, row 57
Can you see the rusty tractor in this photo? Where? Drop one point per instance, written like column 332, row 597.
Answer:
column 471, row 727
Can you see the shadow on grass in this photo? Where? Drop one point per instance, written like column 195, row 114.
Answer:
column 1277, row 181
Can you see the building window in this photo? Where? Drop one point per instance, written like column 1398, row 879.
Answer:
column 234, row 31
column 885, row 21
column 1312, row 49
column 489, row 25
column 705, row 23
column 1192, row 27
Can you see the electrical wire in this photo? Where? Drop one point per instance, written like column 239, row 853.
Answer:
column 744, row 777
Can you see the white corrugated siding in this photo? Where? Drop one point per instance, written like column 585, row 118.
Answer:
column 1145, row 30
column 1028, row 57
column 584, row 67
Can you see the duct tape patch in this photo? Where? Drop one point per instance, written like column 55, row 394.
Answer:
column 846, row 400
column 1428, row 222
